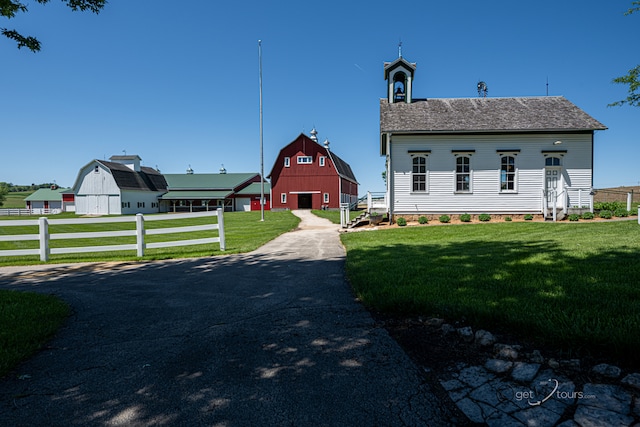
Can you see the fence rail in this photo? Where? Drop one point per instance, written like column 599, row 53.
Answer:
column 44, row 237
column 29, row 212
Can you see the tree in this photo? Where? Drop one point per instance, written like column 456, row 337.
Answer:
column 9, row 8
column 633, row 77
column 3, row 192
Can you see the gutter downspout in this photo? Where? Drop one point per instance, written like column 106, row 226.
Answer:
column 390, row 192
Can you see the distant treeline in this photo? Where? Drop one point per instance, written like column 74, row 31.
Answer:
column 18, row 188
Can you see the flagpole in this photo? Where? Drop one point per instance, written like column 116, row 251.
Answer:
column 261, row 150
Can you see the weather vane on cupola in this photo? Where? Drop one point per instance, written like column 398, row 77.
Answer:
column 400, row 48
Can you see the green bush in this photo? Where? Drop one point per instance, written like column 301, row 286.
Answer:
column 528, row 217
column 465, row 218
column 587, row 215
column 608, row 206
column 444, row 218
column 401, row 222
column 423, row 220
column 621, row 212
column 574, row 217
column 606, row 214
column 507, row 218
column 484, row 217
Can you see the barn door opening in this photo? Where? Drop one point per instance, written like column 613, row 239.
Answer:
column 304, row 201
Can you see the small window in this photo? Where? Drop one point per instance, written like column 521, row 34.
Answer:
column 321, row 160
column 283, row 198
column 96, row 169
column 507, row 173
column 552, row 161
column 287, row 162
column 463, row 174
column 326, row 198
column 305, row 160
column 419, row 174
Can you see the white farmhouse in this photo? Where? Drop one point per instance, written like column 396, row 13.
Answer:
column 483, row 155
column 119, row 186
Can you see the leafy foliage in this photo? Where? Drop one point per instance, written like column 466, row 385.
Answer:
column 484, row 217
column 444, row 218
column 574, row 217
column 401, row 222
column 528, row 217
column 587, row 215
column 621, row 213
column 9, row 8
column 632, row 78
column 507, row 218
column 606, row 214
column 465, row 218
column 423, row 220
column 3, row 193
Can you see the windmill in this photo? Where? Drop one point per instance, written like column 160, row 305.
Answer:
column 482, row 89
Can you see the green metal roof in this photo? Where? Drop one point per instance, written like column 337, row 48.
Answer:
column 254, row 188
column 46, row 194
column 207, row 181
column 196, row 195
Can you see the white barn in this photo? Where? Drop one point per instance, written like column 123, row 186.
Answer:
column 483, row 155
column 119, row 186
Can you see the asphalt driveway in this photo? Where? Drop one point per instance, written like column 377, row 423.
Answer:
column 272, row 337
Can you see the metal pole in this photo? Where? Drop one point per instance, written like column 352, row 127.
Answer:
column 261, row 151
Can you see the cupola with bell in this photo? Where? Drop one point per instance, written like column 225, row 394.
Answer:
column 399, row 77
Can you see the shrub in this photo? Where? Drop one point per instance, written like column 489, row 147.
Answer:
column 484, row 217
column 621, row 212
column 465, row 218
column 608, row 206
column 444, row 218
column 587, row 215
column 605, row 214
column 574, row 217
column 528, row 217
column 401, row 222
column 507, row 218
column 423, row 220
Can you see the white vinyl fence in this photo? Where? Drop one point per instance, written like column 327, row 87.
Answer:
column 44, row 237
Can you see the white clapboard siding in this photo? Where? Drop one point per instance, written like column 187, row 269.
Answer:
column 529, row 150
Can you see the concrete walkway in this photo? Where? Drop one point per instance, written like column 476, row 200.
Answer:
column 272, row 337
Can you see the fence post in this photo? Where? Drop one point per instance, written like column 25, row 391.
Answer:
column 140, row 246
column 43, row 225
column 223, row 245
column 629, row 197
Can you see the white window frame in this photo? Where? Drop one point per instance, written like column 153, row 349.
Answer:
column 325, row 198
column 416, row 174
column 321, row 160
column 305, row 160
column 457, row 174
column 514, row 173
column 283, row 198
column 287, row 162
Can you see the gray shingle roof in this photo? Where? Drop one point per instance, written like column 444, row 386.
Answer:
column 461, row 115
column 148, row 179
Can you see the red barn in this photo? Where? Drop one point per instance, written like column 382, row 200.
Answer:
column 307, row 175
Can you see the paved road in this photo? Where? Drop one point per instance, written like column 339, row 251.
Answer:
column 272, row 337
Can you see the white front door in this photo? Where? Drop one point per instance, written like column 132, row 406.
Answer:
column 553, row 185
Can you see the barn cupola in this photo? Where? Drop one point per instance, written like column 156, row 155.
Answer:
column 399, row 77
column 132, row 162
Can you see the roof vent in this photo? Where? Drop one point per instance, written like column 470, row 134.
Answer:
column 189, row 170
column 223, row 170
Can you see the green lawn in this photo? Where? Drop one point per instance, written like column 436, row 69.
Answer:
column 334, row 216
column 15, row 200
column 28, row 320
column 575, row 287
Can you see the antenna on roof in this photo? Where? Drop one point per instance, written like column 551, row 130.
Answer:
column 547, row 85
column 482, row 89
column 400, row 48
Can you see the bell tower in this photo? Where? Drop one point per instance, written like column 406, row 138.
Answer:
column 399, row 77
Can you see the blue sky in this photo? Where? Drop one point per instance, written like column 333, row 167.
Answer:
column 177, row 83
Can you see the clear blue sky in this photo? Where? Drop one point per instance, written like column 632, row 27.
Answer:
column 177, row 82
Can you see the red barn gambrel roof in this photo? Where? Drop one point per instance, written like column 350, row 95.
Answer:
column 342, row 168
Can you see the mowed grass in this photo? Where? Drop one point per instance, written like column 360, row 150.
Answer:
column 244, row 232
column 15, row 200
column 28, row 320
column 334, row 215
column 575, row 287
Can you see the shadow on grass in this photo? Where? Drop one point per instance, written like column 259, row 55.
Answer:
column 583, row 303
